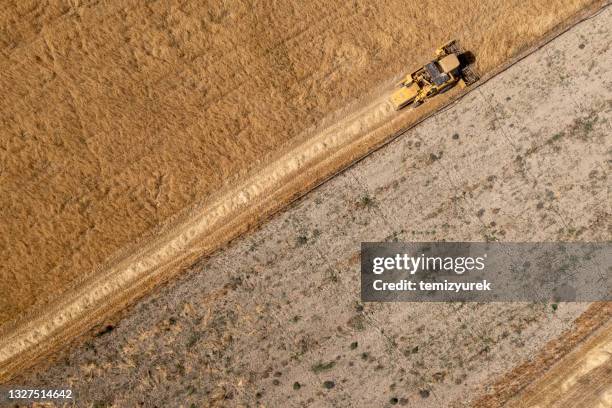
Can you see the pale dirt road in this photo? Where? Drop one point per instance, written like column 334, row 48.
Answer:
column 581, row 379
column 275, row 317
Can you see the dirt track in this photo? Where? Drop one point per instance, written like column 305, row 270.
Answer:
column 582, row 379
column 509, row 162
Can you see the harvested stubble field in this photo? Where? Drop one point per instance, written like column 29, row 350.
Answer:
column 117, row 116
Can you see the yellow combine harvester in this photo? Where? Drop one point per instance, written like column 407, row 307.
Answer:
column 452, row 66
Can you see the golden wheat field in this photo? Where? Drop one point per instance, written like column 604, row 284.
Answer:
column 116, row 115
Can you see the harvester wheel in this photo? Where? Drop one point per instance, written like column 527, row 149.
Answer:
column 453, row 48
column 469, row 75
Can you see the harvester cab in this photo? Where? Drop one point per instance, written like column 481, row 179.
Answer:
column 437, row 76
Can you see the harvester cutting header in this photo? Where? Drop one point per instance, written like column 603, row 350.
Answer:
column 452, row 66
